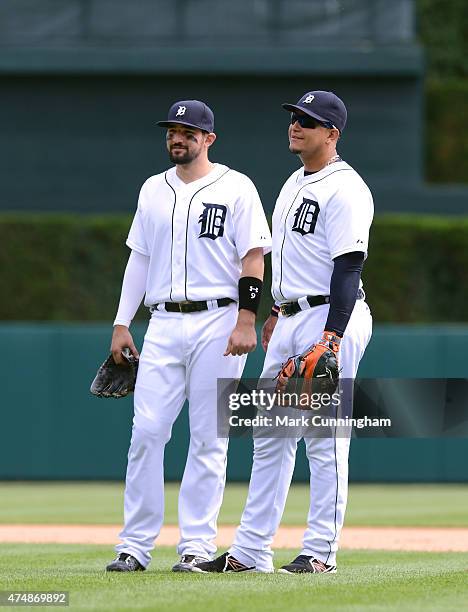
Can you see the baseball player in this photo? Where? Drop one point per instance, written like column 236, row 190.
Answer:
column 197, row 243
column 321, row 228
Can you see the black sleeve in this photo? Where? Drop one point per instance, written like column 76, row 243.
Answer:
column 344, row 285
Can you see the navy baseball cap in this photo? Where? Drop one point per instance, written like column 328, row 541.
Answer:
column 323, row 106
column 191, row 113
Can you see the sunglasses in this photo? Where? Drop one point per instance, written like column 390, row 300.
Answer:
column 310, row 123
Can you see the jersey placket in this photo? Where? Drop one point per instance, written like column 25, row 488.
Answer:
column 279, row 263
column 180, row 236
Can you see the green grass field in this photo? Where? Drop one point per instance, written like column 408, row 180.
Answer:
column 102, row 503
column 366, row 580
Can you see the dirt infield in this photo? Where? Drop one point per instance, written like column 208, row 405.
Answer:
column 377, row 538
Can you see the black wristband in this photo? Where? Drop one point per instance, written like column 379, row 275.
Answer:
column 274, row 310
column 250, row 291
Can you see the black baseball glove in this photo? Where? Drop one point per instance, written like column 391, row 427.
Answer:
column 114, row 380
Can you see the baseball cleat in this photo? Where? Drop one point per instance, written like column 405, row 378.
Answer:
column 188, row 562
column 221, row 565
column 307, row 565
column 125, row 563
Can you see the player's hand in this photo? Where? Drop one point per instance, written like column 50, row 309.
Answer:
column 244, row 337
column 122, row 338
column 267, row 331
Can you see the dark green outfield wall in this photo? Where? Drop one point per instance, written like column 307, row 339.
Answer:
column 87, row 143
column 81, row 87
column 52, row 428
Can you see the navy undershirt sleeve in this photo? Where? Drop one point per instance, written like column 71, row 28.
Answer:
column 344, row 286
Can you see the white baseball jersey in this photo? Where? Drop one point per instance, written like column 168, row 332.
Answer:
column 317, row 217
column 197, row 233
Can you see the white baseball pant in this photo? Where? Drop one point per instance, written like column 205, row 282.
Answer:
column 274, row 458
column 182, row 357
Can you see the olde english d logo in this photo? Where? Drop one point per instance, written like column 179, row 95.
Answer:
column 305, row 217
column 212, row 221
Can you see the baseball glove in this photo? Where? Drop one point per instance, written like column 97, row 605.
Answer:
column 317, row 368
column 114, row 380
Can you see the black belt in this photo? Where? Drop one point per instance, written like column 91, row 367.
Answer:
column 291, row 308
column 187, row 307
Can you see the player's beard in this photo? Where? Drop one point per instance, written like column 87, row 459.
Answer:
column 183, row 158
column 295, row 148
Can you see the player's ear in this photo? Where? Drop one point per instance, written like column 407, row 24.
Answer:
column 334, row 135
column 210, row 138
